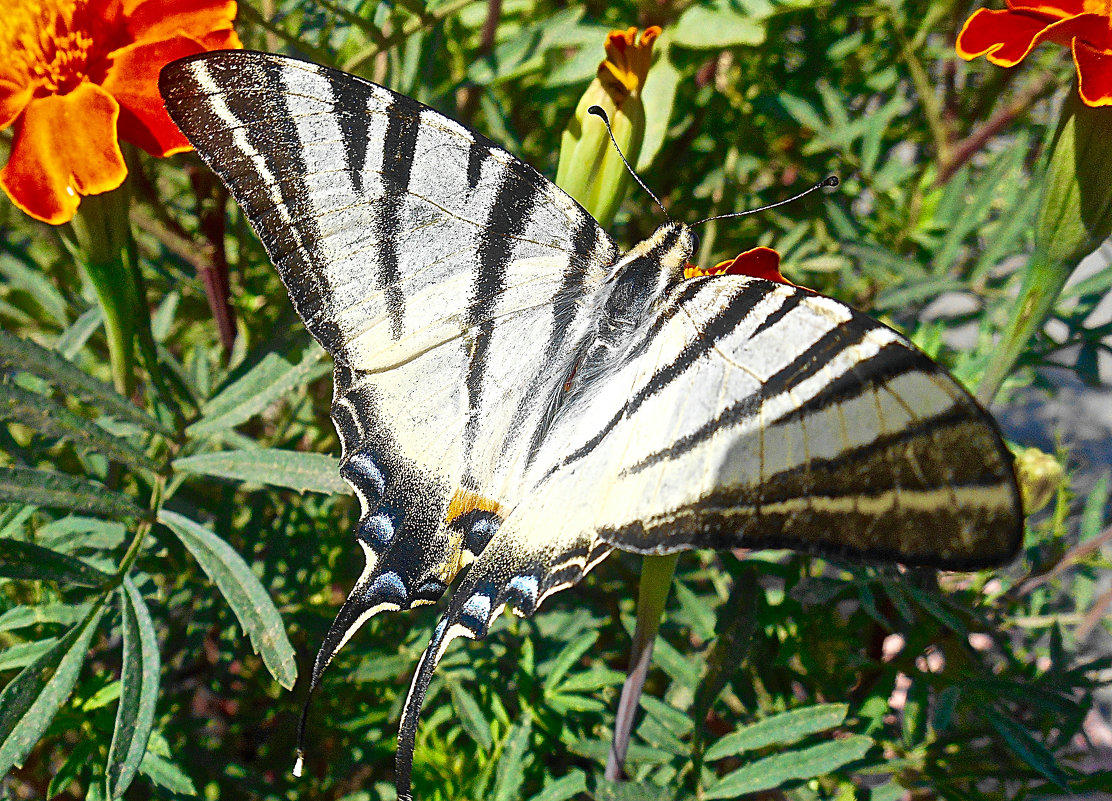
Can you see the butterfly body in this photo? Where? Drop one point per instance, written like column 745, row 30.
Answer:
column 516, row 397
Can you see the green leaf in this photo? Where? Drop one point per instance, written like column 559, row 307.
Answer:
column 24, row 653
column 25, row 560
column 1092, row 516
column 599, row 750
column 138, row 692
column 73, row 339
column 243, row 592
column 717, row 26
column 470, row 715
column 75, row 532
column 63, row 614
column 304, row 472
column 511, row 764
column 564, row 788
column 53, row 420
column 659, row 96
column 166, row 774
column 1027, row 748
column 77, row 759
column 631, row 791
column 47, row 488
column 32, row 698
column 784, row 729
column 269, row 380
column 564, row 661
column 59, row 372
column 775, row 770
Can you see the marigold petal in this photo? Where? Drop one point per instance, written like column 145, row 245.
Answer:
column 133, row 81
column 1094, row 74
column 65, row 146
column 1053, row 9
column 1005, row 37
column 14, row 97
column 152, row 20
column 759, row 262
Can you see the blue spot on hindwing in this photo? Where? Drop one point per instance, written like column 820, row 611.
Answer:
column 378, row 530
column 389, row 587
column 362, row 469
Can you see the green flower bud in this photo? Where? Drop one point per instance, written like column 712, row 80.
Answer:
column 590, row 170
column 1076, row 213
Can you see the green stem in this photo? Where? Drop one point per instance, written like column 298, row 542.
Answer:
column 656, row 582
column 100, row 236
column 1042, row 284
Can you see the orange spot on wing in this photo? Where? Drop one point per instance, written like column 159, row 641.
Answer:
column 464, row 501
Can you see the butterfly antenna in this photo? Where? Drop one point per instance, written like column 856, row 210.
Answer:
column 829, row 181
column 601, row 114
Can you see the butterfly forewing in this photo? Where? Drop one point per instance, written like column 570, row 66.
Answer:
column 441, row 273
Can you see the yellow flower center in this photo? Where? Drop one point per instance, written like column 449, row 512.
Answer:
column 55, row 44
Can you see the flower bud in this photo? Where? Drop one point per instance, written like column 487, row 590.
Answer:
column 1076, row 212
column 590, row 170
column 1039, row 475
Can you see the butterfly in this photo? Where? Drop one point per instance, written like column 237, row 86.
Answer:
column 516, row 396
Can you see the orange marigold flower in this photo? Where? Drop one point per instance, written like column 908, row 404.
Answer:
column 757, row 263
column 76, row 76
column 627, row 61
column 1006, row 36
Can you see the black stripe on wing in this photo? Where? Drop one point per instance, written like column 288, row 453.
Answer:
column 400, row 143
column 508, row 217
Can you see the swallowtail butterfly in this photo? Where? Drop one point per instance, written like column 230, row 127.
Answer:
column 515, row 393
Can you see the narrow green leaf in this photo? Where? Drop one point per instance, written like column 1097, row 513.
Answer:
column 25, row 560
column 138, row 692
column 33, row 697
column 717, row 26
column 53, row 420
column 75, row 532
column 775, row 770
column 304, row 472
column 73, row 339
column 269, row 380
column 598, row 750
column 77, row 759
column 511, row 764
column 659, row 96
column 166, row 774
column 668, row 716
column 783, row 729
column 243, row 592
column 564, row 788
column 1027, row 748
column 62, row 614
column 568, row 657
column 1092, row 516
column 60, row 372
column 47, row 488
column 630, row 791
column 24, row 653
column 467, row 708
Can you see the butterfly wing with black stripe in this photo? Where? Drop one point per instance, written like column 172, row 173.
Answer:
column 413, row 249
column 744, row 413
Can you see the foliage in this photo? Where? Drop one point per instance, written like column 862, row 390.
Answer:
column 126, row 673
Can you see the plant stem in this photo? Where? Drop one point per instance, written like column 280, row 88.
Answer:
column 656, row 581
column 1042, row 284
